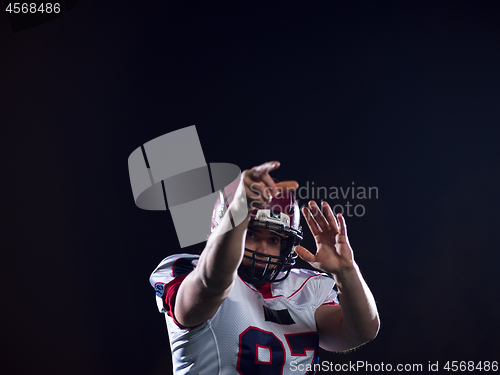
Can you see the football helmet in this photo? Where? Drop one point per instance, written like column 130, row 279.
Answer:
column 282, row 216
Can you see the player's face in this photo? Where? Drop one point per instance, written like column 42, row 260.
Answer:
column 262, row 241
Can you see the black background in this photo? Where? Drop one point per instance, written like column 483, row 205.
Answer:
column 402, row 96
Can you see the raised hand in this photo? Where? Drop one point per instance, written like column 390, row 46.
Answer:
column 334, row 254
column 259, row 186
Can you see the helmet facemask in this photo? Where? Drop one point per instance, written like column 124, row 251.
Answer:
column 271, row 268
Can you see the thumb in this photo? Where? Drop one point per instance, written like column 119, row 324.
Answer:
column 305, row 254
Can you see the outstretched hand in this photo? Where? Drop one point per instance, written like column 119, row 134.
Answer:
column 260, row 187
column 334, row 254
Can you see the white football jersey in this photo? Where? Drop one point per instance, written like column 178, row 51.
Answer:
column 265, row 331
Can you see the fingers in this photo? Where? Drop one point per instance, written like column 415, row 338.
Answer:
column 260, row 187
column 311, row 222
column 305, row 254
column 343, row 226
column 316, row 220
column 323, row 220
column 318, row 216
column 260, row 181
column 330, row 216
column 265, row 168
column 258, row 191
column 261, row 174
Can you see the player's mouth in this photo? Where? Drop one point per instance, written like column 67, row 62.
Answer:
column 263, row 264
column 260, row 264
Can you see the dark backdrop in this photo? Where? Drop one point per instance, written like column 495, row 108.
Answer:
column 402, row 96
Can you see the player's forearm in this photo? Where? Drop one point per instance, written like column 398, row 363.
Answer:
column 360, row 316
column 223, row 253
column 204, row 289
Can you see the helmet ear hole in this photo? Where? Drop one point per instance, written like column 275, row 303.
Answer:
column 274, row 214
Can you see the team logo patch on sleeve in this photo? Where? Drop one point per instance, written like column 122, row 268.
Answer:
column 160, row 289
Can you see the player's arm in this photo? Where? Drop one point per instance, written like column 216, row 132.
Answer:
column 355, row 321
column 203, row 290
column 352, row 323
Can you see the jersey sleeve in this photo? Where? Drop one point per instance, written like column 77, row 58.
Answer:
column 167, row 278
column 328, row 291
column 311, row 287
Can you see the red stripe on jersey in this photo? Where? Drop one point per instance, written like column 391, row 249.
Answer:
column 169, row 299
column 265, row 290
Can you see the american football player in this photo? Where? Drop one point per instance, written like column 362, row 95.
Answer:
column 241, row 307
